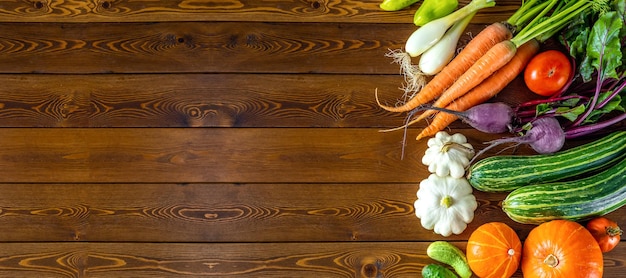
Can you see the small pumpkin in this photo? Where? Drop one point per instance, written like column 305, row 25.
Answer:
column 494, row 250
column 561, row 248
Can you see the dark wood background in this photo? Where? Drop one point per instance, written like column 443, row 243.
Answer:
column 225, row 138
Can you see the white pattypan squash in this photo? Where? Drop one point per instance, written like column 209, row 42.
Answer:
column 448, row 154
column 445, row 204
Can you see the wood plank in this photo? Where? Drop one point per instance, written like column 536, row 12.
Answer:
column 397, row 259
column 206, row 100
column 197, row 47
column 213, row 155
column 195, row 100
column 227, row 213
column 241, row 10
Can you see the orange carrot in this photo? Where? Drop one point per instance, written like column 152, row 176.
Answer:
column 497, row 57
column 476, row 48
column 485, row 91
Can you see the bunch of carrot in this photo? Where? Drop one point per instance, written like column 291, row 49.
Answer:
column 489, row 62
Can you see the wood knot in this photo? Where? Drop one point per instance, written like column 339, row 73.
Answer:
column 106, row 4
column 369, row 270
column 317, row 5
column 355, row 236
column 39, row 5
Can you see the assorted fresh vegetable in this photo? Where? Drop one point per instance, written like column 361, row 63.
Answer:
column 445, row 252
column 536, row 21
column 606, row 232
column 494, row 250
column 580, row 90
column 561, row 248
column 481, row 93
column 577, row 199
column 594, row 98
column 478, row 46
column 424, row 38
column 504, row 173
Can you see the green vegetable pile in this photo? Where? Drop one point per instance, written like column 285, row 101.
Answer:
column 594, row 99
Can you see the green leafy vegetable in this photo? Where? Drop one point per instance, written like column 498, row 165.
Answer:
column 594, row 40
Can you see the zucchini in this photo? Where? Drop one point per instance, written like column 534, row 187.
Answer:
column 445, row 252
column 505, row 173
column 576, row 200
column 437, row 271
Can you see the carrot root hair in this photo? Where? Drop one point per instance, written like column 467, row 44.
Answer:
column 414, row 78
column 474, row 50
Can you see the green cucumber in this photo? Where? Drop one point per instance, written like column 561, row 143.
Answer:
column 505, row 173
column 577, row 200
column 437, row 271
column 447, row 253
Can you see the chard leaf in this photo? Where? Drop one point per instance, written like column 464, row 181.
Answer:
column 604, row 51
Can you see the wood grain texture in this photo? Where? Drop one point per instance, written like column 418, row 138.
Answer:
column 391, row 259
column 203, row 100
column 210, row 155
column 353, row 11
column 187, row 47
column 117, row 155
column 216, row 138
column 197, row 47
column 218, row 212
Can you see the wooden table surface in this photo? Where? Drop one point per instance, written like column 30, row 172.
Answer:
column 215, row 138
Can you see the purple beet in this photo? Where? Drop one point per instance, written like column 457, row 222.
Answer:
column 545, row 136
column 486, row 117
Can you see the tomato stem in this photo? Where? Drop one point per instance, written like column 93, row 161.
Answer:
column 614, row 231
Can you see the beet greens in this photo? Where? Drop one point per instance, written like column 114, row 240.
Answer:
column 595, row 99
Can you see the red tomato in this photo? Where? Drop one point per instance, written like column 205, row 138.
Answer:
column 605, row 231
column 547, row 72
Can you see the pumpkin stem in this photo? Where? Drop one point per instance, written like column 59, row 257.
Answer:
column 551, row 260
column 454, row 145
column 614, row 231
column 446, row 201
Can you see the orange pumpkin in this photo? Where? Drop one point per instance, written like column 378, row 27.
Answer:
column 561, row 248
column 494, row 250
